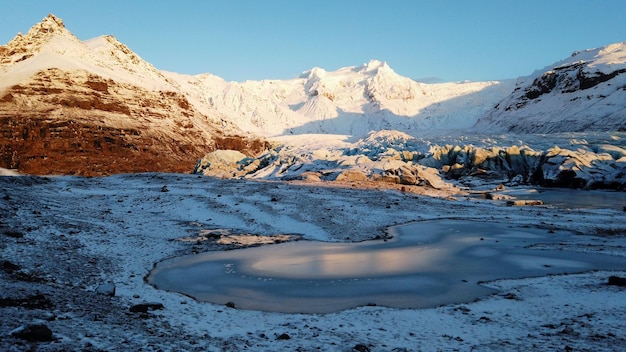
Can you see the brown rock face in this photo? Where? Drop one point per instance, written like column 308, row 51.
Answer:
column 78, row 123
column 39, row 146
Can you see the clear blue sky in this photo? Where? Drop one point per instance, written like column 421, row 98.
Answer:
column 276, row 39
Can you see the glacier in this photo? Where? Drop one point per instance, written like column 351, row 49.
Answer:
column 571, row 160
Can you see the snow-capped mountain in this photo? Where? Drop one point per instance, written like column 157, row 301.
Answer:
column 64, row 102
column 585, row 92
column 352, row 100
column 96, row 107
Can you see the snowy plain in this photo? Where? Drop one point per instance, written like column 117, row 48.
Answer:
column 70, row 235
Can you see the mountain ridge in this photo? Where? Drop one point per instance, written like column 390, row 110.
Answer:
column 584, row 92
column 351, row 100
column 49, row 78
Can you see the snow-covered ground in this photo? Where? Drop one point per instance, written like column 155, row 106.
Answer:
column 65, row 238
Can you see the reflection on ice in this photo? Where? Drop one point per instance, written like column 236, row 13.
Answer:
column 428, row 264
column 357, row 262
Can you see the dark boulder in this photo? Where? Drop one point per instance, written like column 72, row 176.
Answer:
column 361, row 348
column 145, row 307
column 13, row 234
column 33, row 333
column 283, row 336
column 36, row 301
column 617, row 281
column 10, row 267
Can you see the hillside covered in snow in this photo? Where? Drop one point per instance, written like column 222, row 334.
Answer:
column 585, row 92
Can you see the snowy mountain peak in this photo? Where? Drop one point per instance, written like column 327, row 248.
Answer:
column 614, row 54
column 109, row 42
column 313, row 74
column 118, row 110
column 125, row 65
column 24, row 46
column 49, row 27
column 50, row 23
column 610, row 55
column 351, row 100
column 375, row 65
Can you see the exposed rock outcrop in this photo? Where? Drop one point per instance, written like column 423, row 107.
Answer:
column 33, row 333
column 25, row 46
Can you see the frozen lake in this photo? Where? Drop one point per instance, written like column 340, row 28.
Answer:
column 572, row 198
column 427, row 264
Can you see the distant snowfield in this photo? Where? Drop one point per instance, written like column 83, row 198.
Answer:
column 63, row 237
column 351, row 100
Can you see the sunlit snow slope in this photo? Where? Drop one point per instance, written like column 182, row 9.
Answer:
column 352, row 100
column 585, row 92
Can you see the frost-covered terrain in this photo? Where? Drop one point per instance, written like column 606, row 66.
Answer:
column 68, row 242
